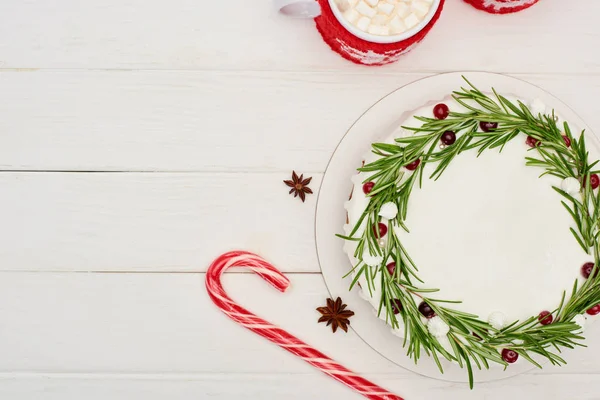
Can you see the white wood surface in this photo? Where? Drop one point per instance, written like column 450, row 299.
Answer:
column 140, row 139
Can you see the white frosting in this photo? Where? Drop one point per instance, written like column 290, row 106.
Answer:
column 570, row 185
column 437, row 327
column 388, row 210
column 371, row 260
column 497, row 320
column 490, row 232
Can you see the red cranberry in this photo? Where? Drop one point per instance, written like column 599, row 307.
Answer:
column 426, row 310
column 532, row 142
column 594, row 181
column 586, row 270
column 594, row 310
column 545, row 318
column 396, row 306
column 413, row 165
column 448, row 138
column 382, row 229
column 368, row 187
column 567, row 141
column 488, row 126
column 441, row 111
column 510, row 356
column 391, row 267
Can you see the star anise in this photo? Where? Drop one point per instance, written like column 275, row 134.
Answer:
column 335, row 314
column 299, row 186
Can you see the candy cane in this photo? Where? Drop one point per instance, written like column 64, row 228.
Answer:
column 277, row 335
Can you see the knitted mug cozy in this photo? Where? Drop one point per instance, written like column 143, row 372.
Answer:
column 501, row 6
column 361, row 51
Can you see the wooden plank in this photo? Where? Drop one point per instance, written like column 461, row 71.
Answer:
column 151, row 221
column 165, row 323
column 179, row 121
column 202, row 121
column 180, row 35
column 287, row 386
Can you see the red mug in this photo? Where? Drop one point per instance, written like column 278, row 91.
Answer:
column 502, row 6
column 353, row 43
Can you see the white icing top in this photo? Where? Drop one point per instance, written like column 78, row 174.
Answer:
column 437, row 327
column 489, row 232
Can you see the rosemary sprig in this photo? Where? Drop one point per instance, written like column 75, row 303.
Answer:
column 471, row 341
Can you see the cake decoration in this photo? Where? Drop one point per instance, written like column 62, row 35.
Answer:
column 587, row 269
column 594, row 310
column 426, row 310
column 299, row 186
column 545, row 318
column 437, row 327
column 570, row 185
column 594, row 181
column 490, row 121
column 488, row 126
column 510, row 356
column 448, row 138
column 498, row 320
column 388, row 210
column 371, row 260
column 441, row 111
column 368, row 187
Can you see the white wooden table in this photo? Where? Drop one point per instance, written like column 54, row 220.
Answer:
column 139, row 139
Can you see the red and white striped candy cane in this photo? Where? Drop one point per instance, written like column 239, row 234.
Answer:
column 275, row 334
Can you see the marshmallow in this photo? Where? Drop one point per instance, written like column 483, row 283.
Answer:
column 379, row 30
column 352, row 16
column 411, row 21
column 365, row 9
column 420, row 8
column 384, row 17
column 363, row 23
column 386, row 8
column 343, row 5
column 402, row 10
column 397, row 25
column 379, row 20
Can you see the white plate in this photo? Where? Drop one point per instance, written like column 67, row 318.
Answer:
column 376, row 124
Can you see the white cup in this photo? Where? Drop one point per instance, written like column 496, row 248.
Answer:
column 311, row 9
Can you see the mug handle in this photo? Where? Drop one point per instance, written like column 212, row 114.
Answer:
column 298, row 8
